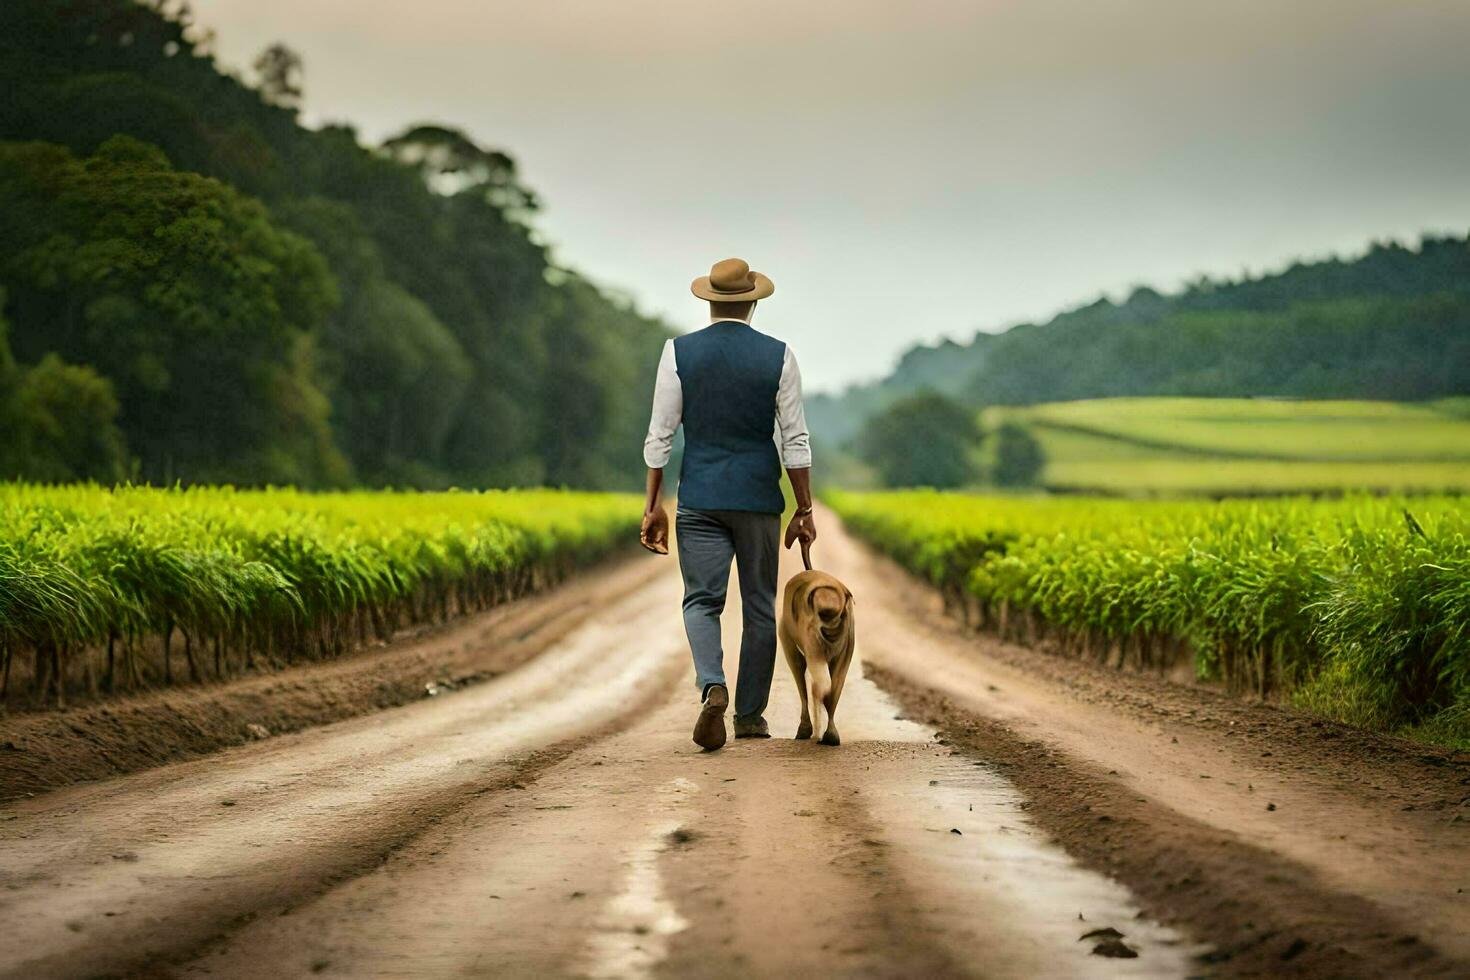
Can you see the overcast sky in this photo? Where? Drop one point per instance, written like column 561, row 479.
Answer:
column 909, row 171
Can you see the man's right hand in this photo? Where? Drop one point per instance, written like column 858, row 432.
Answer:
column 654, row 534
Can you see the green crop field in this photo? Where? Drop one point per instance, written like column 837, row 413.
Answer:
column 1357, row 608
column 1248, row 446
column 95, row 583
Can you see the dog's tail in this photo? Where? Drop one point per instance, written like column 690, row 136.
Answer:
column 819, row 683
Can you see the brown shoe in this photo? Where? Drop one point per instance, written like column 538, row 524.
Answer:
column 709, row 729
column 751, row 726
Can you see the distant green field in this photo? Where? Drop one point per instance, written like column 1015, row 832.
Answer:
column 1231, row 446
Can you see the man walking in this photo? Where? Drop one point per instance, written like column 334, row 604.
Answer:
column 737, row 393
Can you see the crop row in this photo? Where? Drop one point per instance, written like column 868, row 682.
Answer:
column 1358, row 608
column 107, row 589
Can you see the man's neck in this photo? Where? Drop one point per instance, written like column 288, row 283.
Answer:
column 730, row 319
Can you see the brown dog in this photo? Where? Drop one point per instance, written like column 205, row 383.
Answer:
column 817, row 635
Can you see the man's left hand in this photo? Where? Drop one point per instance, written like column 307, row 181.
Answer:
column 803, row 528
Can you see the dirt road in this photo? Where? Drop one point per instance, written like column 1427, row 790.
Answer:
column 987, row 808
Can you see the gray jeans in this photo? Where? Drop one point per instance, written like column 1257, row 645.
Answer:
column 707, row 540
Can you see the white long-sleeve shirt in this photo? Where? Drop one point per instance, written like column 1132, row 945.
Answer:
column 790, row 435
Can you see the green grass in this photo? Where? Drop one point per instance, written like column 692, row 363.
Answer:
column 1182, row 446
column 1356, row 608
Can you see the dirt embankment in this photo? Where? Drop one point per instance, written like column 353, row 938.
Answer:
column 49, row 749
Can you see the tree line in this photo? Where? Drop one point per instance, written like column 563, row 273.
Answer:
column 198, row 287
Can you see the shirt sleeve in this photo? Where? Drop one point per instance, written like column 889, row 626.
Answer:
column 668, row 410
column 792, row 435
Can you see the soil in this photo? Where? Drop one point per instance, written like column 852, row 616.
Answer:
column 1262, row 913
column 991, row 812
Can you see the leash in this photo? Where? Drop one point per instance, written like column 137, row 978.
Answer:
column 806, row 555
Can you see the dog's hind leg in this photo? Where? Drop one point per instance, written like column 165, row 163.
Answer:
column 830, row 736
column 797, row 663
column 821, row 695
column 839, row 677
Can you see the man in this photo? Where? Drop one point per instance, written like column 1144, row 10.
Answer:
column 737, row 393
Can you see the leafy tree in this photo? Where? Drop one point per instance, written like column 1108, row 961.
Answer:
column 595, row 389
column 185, row 296
column 1018, row 457
column 279, row 70
column 923, row 440
column 66, row 422
column 452, row 162
column 395, row 375
column 58, row 420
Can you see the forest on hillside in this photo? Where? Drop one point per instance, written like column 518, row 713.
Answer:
column 195, row 286
column 1392, row 324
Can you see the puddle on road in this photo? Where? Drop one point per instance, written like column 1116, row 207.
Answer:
column 999, row 890
column 1006, row 900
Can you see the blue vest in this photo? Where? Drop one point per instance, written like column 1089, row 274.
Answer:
column 729, row 373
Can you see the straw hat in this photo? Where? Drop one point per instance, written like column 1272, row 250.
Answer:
column 731, row 281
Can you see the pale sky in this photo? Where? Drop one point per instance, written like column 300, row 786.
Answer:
column 916, row 170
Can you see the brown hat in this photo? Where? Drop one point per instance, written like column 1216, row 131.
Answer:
column 731, row 281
